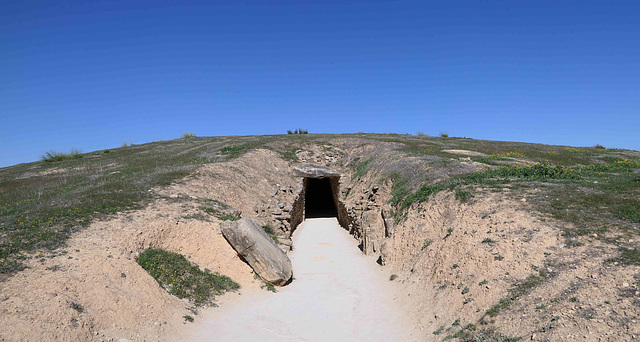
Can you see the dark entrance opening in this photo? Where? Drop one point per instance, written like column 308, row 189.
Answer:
column 318, row 199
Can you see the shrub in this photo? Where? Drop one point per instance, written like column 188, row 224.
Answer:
column 444, row 134
column 53, row 156
column 187, row 135
column 298, row 131
column 182, row 278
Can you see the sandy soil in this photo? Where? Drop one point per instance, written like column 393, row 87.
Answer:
column 338, row 294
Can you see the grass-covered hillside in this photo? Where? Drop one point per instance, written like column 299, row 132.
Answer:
column 596, row 188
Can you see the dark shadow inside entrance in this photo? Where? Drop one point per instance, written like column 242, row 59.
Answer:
column 319, row 200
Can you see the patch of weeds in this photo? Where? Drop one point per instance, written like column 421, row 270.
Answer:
column 227, row 217
column 77, row 306
column 361, row 169
column 426, row 243
column 399, row 190
column 52, row 156
column 271, row 232
column 182, row 278
column 449, row 232
column 444, row 134
column 270, row 287
column 628, row 256
column 629, row 211
column 268, row 229
column 463, row 195
column 439, row 331
column 518, row 291
column 483, row 282
column 290, row 155
column 423, row 193
column 188, row 135
column 393, row 277
column 188, row 318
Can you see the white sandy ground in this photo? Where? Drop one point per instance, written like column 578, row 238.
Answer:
column 338, row 294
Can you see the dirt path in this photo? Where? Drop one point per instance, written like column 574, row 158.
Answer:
column 338, row 295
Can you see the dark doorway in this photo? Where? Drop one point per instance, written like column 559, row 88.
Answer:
column 318, row 199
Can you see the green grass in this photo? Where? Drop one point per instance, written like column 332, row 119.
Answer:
column 182, row 278
column 52, row 156
column 39, row 211
column 629, row 256
column 360, row 168
column 270, row 287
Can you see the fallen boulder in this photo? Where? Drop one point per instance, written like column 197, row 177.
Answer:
column 253, row 244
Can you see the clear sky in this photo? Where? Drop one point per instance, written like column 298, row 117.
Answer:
column 93, row 74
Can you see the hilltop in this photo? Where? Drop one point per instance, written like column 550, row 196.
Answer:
column 486, row 240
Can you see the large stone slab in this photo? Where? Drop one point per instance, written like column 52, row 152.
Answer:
column 314, row 171
column 253, row 244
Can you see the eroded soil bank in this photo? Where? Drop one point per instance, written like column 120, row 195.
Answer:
column 338, row 294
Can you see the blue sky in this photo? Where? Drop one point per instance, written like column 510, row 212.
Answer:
column 91, row 75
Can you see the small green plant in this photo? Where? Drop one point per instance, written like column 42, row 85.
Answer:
column 483, row 282
column 268, row 229
column 449, row 231
column 76, row 306
column 393, row 277
column 454, row 266
column 420, row 134
column 456, row 323
column 488, row 240
column 188, row 318
column 122, row 275
column 463, row 195
column 270, row 287
column 52, row 156
column 498, row 257
column 187, row 135
column 298, row 131
column 426, row 243
column 444, row 134
column 465, row 290
column 573, row 299
column 227, row 217
column 540, row 307
column 439, row 331
column 182, row 278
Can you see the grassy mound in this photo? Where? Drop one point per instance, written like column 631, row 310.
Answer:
column 182, row 278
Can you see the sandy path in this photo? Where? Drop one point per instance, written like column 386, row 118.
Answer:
column 338, row 295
